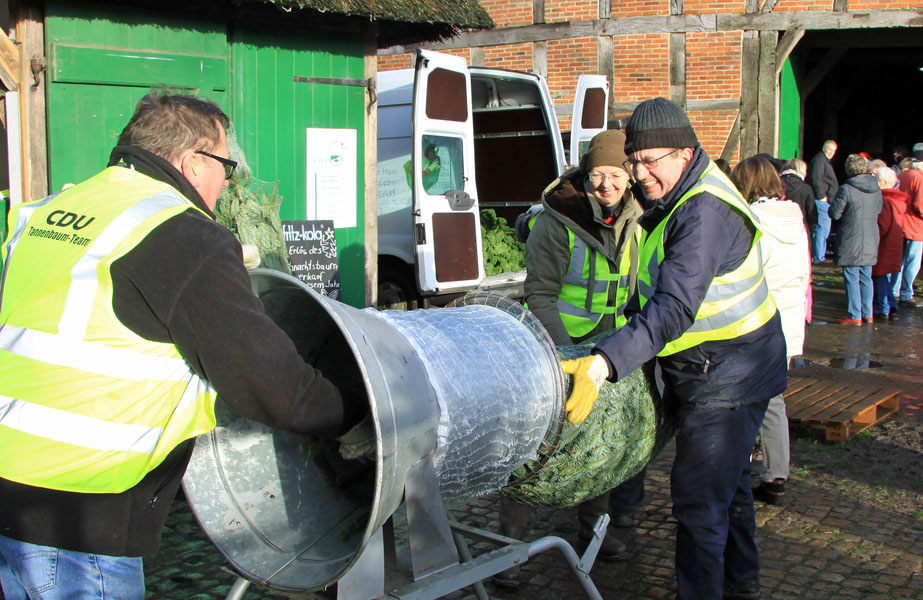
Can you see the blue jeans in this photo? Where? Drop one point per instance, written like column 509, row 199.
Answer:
column 819, row 237
column 46, row 573
column 712, row 501
column 910, row 266
column 884, row 296
column 858, row 291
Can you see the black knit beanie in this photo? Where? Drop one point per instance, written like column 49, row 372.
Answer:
column 658, row 123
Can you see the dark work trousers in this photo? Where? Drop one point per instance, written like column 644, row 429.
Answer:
column 625, row 499
column 712, row 501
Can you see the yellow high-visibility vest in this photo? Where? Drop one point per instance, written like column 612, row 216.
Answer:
column 87, row 405
column 736, row 303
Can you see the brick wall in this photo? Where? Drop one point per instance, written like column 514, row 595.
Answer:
column 557, row 11
column 639, row 8
column 715, row 6
column 713, row 65
column 511, row 56
column 642, row 67
column 641, row 61
column 712, row 129
column 509, row 13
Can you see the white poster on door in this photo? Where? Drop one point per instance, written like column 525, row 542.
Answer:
column 331, row 176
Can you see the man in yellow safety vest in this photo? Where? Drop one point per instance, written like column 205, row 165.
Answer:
column 704, row 310
column 125, row 309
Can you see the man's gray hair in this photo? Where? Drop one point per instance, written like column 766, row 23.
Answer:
column 829, row 144
column 168, row 124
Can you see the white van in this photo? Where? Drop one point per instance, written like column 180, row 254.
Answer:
column 453, row 140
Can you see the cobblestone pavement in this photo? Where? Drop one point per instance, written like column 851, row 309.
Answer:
column 850, row 525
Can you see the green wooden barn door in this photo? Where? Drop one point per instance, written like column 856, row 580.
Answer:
column 101, row 65
column 285, row 108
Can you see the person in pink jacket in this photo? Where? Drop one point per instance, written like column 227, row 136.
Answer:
column 787, row 267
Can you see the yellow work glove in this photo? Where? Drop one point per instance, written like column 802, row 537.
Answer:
column 589, row 374
column 251, row 256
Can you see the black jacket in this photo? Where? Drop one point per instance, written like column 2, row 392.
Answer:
column 821, row 177
column 185, row 284
column 801, row 194
column 705, row 238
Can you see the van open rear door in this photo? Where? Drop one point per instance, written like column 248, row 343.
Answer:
column 591, row 107
column 447, row 231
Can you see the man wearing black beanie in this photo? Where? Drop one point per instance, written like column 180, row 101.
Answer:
column 704, row 310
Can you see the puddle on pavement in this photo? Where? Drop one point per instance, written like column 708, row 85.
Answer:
column 855, row 363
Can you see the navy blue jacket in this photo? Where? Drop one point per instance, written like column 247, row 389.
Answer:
column 705, row 238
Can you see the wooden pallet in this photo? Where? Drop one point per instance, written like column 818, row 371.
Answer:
column 843, row 409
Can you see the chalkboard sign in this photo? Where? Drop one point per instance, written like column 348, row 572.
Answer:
column 312, row 252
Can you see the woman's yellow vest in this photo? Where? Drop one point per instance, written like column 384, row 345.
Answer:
column 86, row 405
column 737, row 302
column 584, row 297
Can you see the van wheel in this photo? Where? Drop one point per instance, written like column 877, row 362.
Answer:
column 395, row 292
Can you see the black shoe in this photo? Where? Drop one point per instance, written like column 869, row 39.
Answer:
column 770, row 493
column 611, row 550
column 882, row 317
column 509, row 579
column 744, row 593
column 911, row 303
column 621, row 521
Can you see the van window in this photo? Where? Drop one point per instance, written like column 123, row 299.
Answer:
column 446, row 96
column 442, row 164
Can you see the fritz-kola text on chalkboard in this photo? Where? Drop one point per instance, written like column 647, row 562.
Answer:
column 312, row 252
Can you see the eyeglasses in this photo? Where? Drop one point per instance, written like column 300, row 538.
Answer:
column 598, row 178
column 228, row 164
column 649, row 163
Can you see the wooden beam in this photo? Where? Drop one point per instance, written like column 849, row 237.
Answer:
column 722, row 104
column 676, row 7
column 820, row 70
column 538, row 11
column 605, row 61
column 818, row 20
column 30, row 32
column 9, row 63
column 605, row 9
column 678, row 68
column 786, row 45
column 370, row 193
column 733, row 140
column 477, row 57
column 749, row 98
column 686, row 23
column 841, row 5
column 540, row 59
column 768, row 93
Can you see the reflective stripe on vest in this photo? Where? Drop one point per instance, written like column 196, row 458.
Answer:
column 86, row 405
column 735, row 303
column 584, row 296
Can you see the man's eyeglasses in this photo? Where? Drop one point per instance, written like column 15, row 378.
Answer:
column 598, row 178
column 228, row 164
column 649, row 163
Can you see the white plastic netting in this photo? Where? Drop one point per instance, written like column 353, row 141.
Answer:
column 499, row 389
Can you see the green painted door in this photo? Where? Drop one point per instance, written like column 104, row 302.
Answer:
column 281, row 112
column 789, row 112
column 101, row 65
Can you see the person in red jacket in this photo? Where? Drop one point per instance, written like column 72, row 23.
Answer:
column 891, row 242
column 911, row 182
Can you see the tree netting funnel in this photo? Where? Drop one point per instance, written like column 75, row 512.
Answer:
column 476, row 389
